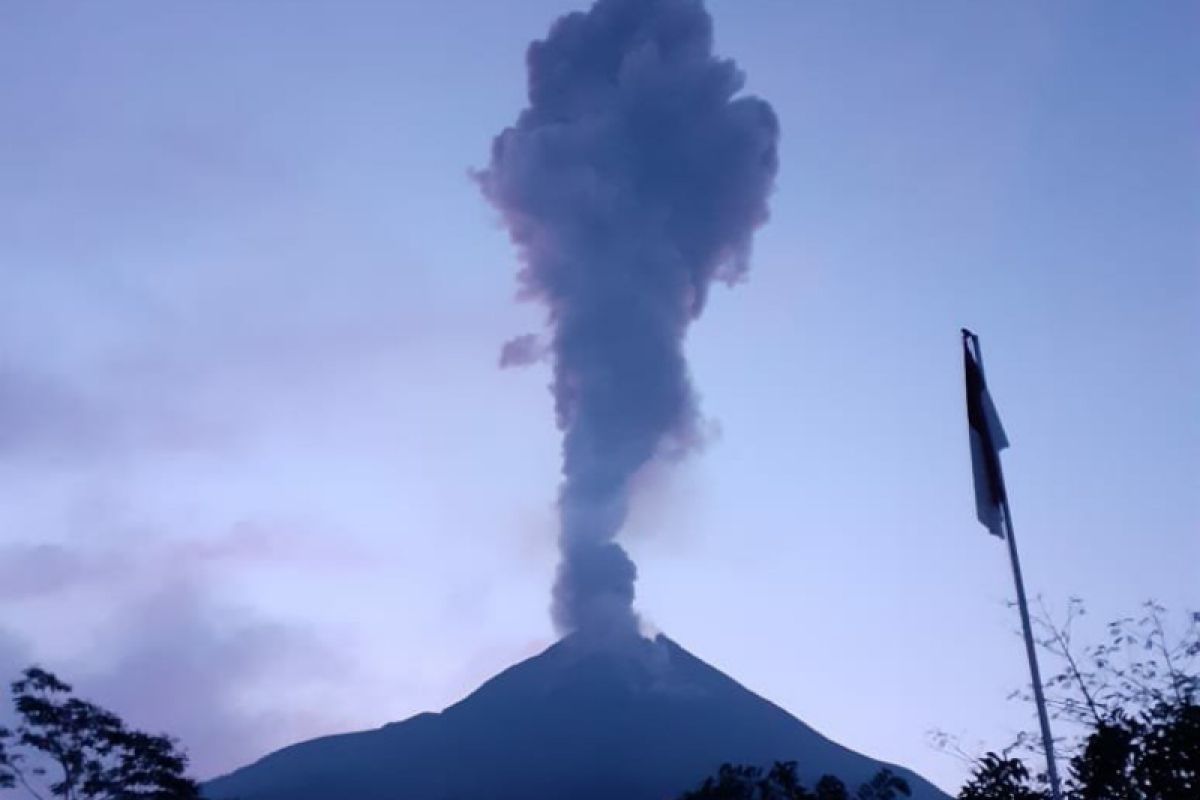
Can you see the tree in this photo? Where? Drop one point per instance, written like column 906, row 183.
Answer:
column 72, row 749
column 830, row 787
column 885, row 785
column 741, row 782
column 999, row 778
column 1133, row 704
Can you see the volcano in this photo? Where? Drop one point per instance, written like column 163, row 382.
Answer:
column 612, row 719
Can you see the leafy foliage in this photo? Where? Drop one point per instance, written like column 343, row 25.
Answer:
column 830, row 787
column 1135, row 699
column 76, row 750
column 999, row 778
column 1153, row 756
column 1135, row 670
column 885, row 785
column 740, row 782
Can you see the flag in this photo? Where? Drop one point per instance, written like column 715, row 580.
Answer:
column 987, row 440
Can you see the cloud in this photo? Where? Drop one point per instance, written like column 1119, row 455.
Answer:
column 182, row 662
column 29, row 571
column 37, row 410
column 73, row 421
column 160, row 641
column 14, row 656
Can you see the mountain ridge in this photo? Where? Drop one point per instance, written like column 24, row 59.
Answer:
column 589, row 719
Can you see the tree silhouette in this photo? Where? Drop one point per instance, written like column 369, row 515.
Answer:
column 999, row 778
column 885, row 785
column 830, row 787
column 72, row 749
column 1133, row 697
column 740, row 782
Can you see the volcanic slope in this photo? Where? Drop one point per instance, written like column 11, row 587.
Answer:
column 632, row 718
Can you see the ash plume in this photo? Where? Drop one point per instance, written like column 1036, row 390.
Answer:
column 635, row 176
column 521, row 351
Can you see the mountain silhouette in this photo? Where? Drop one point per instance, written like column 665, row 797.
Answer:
column 588, row 719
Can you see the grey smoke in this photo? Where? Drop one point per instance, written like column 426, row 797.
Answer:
column 521, row 351
column 634, row 178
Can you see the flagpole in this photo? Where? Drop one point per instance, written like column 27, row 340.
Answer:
column 1022, row 603
column 1031, row 652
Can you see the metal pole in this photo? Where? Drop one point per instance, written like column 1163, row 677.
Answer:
column 1031, row 652
column 1030, row 648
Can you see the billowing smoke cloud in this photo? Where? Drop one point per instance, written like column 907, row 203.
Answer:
column 635, row 177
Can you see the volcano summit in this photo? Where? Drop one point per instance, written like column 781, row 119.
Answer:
column 618, row 719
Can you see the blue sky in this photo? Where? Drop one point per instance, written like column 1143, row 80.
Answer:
column 261, row 478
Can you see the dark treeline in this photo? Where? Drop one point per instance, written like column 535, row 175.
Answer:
column 734, row 782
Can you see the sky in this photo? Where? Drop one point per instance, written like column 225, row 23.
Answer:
column 261, row 477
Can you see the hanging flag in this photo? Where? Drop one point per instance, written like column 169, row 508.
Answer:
column 987, row 440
